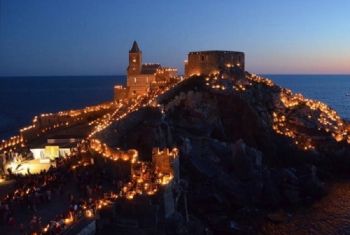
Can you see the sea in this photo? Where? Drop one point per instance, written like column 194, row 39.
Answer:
column 21, row 98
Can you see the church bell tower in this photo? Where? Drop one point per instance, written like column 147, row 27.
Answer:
column 135, row 60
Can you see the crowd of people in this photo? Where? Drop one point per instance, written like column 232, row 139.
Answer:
column 76, row 187
column 67, row 186
column 32, row 191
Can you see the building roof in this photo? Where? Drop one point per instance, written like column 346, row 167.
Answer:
column 135, row 48
column 215, row 52
column 149, row 68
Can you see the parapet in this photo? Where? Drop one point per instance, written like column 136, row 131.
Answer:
column 219, row 52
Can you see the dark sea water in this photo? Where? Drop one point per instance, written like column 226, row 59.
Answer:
column 21, row 98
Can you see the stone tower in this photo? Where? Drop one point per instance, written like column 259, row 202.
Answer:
column 135, row 60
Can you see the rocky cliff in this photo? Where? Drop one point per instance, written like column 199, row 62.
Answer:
column 247, row 147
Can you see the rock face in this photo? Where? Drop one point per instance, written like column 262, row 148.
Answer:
column 142, row 130
column 234, row 162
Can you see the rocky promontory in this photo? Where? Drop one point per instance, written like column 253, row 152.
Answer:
column 248, row 148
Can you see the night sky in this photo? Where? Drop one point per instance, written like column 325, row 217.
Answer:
column 90, row 37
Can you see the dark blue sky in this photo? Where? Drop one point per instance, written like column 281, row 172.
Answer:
column 91, row 37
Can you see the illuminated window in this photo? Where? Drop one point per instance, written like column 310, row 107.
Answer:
column 134, row 60
column 134, row 80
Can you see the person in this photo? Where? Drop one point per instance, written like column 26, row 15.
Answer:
column 9, row 170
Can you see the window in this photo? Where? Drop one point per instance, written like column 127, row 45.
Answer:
column 135, row 80
column 202, row 57
column 134, row 60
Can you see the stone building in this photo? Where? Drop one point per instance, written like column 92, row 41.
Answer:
column 143, row 77
column 208, row 62
column 166, row 161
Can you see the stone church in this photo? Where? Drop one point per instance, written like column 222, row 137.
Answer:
column 141, row 78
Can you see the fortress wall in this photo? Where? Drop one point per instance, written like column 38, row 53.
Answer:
column 207, row 62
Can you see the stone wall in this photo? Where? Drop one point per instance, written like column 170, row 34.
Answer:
column 208, row 62
column 139, row 84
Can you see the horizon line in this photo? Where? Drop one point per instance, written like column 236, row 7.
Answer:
column 120, row 75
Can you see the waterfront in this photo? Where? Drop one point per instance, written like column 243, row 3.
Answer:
column 173, row 118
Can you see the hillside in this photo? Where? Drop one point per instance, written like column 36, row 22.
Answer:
column 247, row 146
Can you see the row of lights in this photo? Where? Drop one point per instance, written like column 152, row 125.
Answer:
column 131, row 105
column 142, row 172
column 328, row 120
column 73, row 115
column 139, row 183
